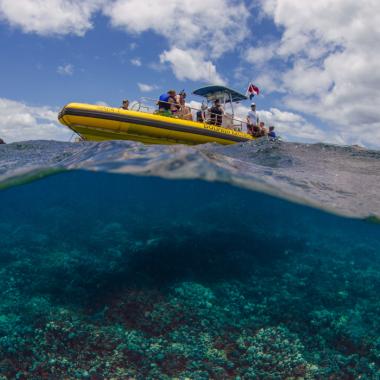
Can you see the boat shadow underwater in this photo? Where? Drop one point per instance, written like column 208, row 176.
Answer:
column 144, row 230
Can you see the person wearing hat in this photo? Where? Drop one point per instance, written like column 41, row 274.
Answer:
column 125, row 104
column 216, row 113
column 252, row 120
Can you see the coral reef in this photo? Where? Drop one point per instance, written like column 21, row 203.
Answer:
column 131, row 294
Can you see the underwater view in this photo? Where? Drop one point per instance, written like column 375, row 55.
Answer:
column 259, row 260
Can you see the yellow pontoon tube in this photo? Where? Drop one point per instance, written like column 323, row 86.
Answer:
column 98, row 123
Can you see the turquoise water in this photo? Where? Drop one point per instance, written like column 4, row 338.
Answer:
column 108, row 274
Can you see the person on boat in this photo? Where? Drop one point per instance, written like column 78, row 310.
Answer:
column 2, row 141
column 263, row 130
column 179, row 96
column 125, row 104
column 175, row 107
column 201, row 114
column 184, row 112
column 256, row 132
column 271, row 133
column 167, row 103
column 216, row 113
column 252, row 120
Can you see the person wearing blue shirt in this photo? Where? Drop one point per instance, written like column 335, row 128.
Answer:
column 167, row 102
column 271, row 133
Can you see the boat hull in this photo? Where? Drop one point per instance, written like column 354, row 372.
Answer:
column 99, row 123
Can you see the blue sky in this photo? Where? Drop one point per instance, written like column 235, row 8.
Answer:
column 312, row 61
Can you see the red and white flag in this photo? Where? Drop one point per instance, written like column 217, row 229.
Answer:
column 252, row 90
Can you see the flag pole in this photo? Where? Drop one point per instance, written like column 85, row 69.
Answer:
column 246, row 91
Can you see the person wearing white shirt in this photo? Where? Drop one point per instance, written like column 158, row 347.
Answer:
column 252, row 119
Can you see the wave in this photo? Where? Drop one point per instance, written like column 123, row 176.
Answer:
column 341, row 180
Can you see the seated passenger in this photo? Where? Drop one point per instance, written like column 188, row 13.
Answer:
column 217, row 113
column 263, row 130
column 201, row 114
column 256, row 132
column 184, row 112
column 175, row 106
column 271, row 133
column 167, row 103
column 178, row 97
column 125, row 104
column 2, row 141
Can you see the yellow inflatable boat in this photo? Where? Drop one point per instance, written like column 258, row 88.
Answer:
column 99, row 123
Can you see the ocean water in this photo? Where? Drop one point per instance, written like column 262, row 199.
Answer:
column 253, row 261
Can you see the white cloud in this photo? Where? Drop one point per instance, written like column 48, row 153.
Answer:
column 332, row 49
column 136, row 62
column 102, row 103
column 191, row 64
column 261, row 54
column 20, row 122
column 147, row 87
column 215, row 25
column 215, row 28
column 294, row 127
column 50, row 17
column 66, row 70
column 307, row 79
column 289, row 125
column 269, row 81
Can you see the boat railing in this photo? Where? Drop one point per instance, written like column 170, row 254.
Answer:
column 202, row 115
